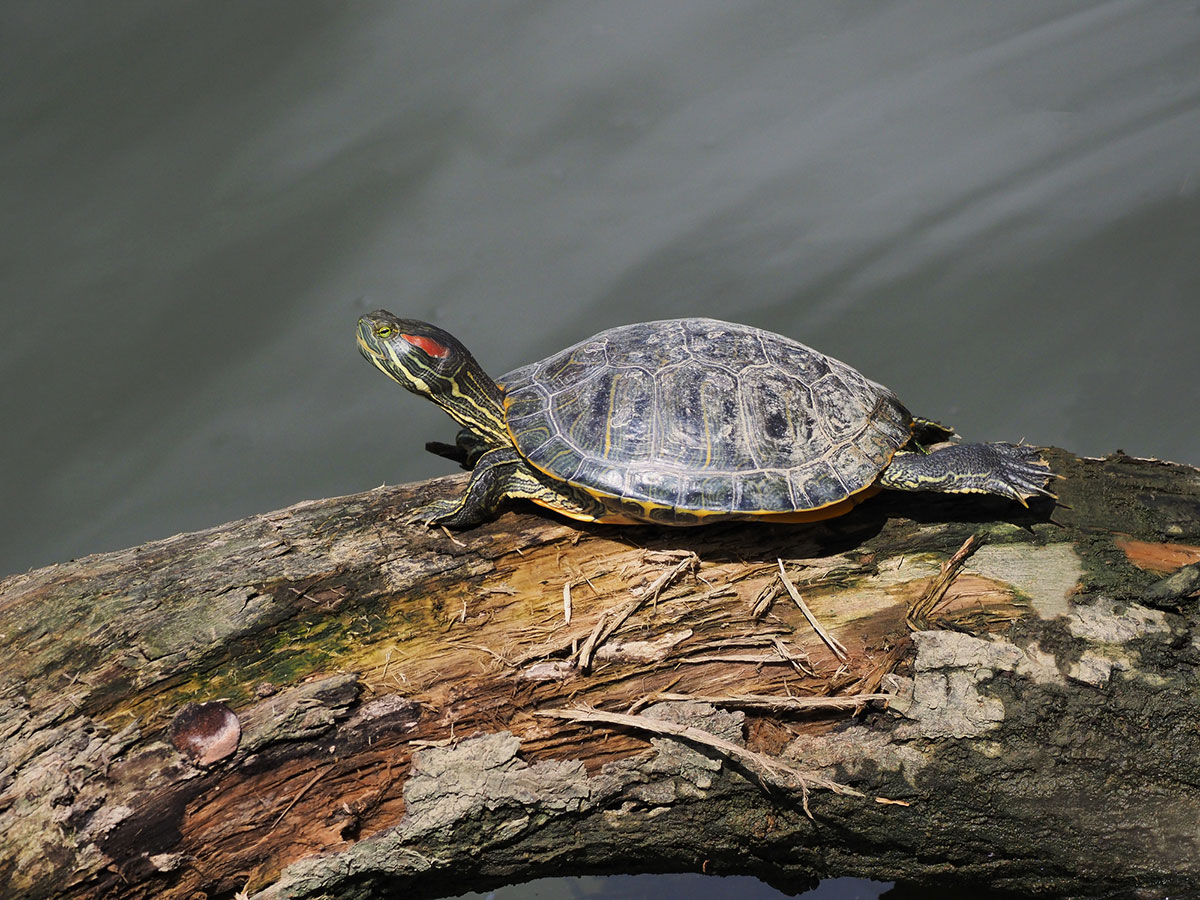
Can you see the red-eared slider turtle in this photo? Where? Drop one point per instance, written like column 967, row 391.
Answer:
column 682, row 422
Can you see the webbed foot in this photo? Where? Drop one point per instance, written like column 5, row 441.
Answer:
column 1015, row 471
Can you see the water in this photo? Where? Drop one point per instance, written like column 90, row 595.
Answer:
column 693, row 887
column 993, row 210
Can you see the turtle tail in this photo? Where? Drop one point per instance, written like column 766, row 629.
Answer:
column 1016, row 471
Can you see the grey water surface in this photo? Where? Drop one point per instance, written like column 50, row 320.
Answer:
column 991, row 208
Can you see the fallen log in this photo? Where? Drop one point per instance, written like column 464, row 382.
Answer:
column 322, row 701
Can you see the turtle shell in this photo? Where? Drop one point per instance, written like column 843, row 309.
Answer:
column 689, row 418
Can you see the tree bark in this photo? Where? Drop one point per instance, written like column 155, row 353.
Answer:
column 322, row 701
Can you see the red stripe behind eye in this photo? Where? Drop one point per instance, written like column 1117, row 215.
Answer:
column 429, row 345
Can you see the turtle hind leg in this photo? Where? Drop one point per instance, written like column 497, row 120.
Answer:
column 500, row 475
column 1015, row 471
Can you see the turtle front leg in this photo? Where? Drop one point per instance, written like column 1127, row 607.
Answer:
column 496, row 472
column 500, row 475
column 468, row 446
column 1015, row 471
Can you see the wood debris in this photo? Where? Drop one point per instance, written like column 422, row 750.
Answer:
column 926, row 605
column 777, row 704
column 611, row 620
column 830, row 641
column 770, row 771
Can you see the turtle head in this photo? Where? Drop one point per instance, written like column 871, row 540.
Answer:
column 421, row 357
column 432, row 362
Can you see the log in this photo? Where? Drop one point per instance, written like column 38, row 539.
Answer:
column 322, row 701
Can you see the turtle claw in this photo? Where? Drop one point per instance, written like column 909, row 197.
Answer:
column 431, row 514
column 1022, row 470
column 1045, row 493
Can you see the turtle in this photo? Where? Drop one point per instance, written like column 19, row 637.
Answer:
column 682, row 422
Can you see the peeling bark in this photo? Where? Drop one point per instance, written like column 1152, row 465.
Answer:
column 1042, row 733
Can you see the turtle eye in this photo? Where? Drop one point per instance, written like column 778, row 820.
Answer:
column 384, row 331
